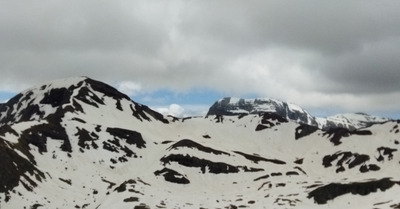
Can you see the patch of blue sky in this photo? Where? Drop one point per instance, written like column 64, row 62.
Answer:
column 5, row 96
column 193, row 97
column 167, row 97
column 389, row 114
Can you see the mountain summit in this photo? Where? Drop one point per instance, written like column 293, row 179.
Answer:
column 54, row 99
column 79, row 143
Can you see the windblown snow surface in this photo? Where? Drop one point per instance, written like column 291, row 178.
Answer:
column 79, row 143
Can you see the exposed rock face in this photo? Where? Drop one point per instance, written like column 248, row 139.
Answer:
column 79, row 143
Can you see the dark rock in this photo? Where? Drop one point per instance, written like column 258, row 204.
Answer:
column 349, row 158
column 131, row 199
column 276, row 174
column 56, row 97
column 128, row 152
column 121, row 188
column 362, row 132
column 113, row 161
column 336, row 134
column 190, row 161
column 110, row 147
column 172, row 176
column 300, row 169
column 261, row 127
column 385, row 151
column 106, row 89
column 262, row 177
column 219, row 118
column 268, row 117
column 232, row 207
column 373, row 167
column 241, row 115
column 78, row 119
column 186, row 118
column 13, row 167
column 37, row 135
column 36, row 205
column 299, row 161
column 139, row 111
column 87, row 96
column 247, row 169
column 141, row 206
column 7, row 129
column 187, row 143
column 292, row 173
column 166, row 142
column 304, row 130
column 67, row 181
column 364, row 169
column 131, row 137
column 30, row 111
column 85, row 138
column 330, row 191
column 110, row 184
column 257, row 159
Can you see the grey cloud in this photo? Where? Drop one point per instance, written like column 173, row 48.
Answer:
column 77, row 25
column 373, row 69
column 331, row 27
column 270, row 48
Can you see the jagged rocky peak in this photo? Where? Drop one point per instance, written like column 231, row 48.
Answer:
column 238, row 106
column 68, row 95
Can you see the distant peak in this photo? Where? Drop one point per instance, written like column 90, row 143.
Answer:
column 361, row 113
column 238, row 106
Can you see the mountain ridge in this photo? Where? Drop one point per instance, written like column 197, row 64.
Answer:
column 81, row 143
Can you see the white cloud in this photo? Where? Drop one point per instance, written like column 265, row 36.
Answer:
column 129, row 88
column 182, row 110
column 173, row 109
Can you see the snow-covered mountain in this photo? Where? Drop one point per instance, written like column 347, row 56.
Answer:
column 351, row 120
column 238, row 106
column 79, row 143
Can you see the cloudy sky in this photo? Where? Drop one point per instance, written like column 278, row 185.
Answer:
column 181, row 56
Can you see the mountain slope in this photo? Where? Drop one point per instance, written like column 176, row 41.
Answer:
column 79, row 143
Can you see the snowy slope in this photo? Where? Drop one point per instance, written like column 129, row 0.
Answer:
column 79, row 143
